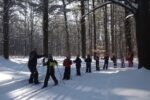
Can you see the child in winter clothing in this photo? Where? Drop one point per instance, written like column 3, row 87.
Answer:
column 78, row 65
column 67, row 64
column 88, row 61
column 130, row 59
column 50, row 70
column 96, row 58
column 114, row 59
column 122, row 62
column 106, row 58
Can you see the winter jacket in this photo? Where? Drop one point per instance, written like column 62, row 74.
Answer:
column 67, row 63
column 130, row 56
column 33, row 58
column 88, row 61
column 96, row 58
column 78, row 61
column 114, row 59
column 106, row 58
column 51, row 64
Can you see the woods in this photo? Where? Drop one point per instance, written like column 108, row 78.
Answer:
column 72, row 27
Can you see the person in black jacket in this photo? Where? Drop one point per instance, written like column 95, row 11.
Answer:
column 88, row 61
column 78, row 65
column 50, row 70
column 33, row 56
column 96, row 58
column 106, row 62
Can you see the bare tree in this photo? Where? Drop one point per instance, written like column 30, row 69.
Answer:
column 83, row 30
column 94, row 27
column 66, row 28
column 7, row 4
column 142, row 32
column 128, row 32
column 105, row 28
column 112, row 29
column 90, row 44
column 45, row 27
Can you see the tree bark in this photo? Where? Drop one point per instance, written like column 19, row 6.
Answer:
column 94, row 27
column 25, row 31
column 112, row 29
column 6, row 28
column 105, row 29
column 143, row 33
column 45, row 27
column 83, row 30
column 90, row 30
column 31, row 28
column 128, row 33
column 66, row 28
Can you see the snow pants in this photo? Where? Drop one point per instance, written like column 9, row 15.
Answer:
column 88, row 67
column 50, row 72
column 105, row 67
column 97, row 66
column 129, row 63
column 78, row 70
column 67, row 73
column 33, row 75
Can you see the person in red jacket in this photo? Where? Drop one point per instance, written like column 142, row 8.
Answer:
column 130, row 59
column 67, row 64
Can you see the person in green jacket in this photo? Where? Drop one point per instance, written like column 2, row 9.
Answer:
column 50, row 70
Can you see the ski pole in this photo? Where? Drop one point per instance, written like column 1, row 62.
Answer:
column 41, row 70
column 60, row 74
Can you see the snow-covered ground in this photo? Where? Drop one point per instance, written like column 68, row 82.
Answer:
column 114, row 84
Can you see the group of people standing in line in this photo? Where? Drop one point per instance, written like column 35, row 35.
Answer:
column 51, row 64
column 114, row 60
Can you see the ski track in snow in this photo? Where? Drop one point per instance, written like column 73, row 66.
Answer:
column 98, row 85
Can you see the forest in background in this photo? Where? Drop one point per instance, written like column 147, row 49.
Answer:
column 110, row 28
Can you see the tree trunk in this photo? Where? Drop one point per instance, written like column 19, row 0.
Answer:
column 94, row 27
column 78, row 34
column 128, row 32
column 25, row 31
column 143, row 33
column 112, row 29
column 105, row 28
column 6, row 28
column 67, row 32
column 83, row 30
column 90, row 30
column 45, row 27
column 31, row 28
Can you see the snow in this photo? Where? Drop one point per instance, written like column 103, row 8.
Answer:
column 113, row 84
